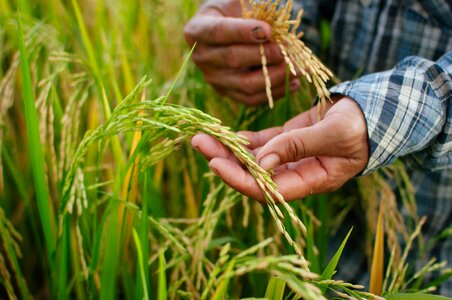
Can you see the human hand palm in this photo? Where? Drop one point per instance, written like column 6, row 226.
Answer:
column 307, row 156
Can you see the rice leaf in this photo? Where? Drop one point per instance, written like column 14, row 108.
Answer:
column 415, row 296
column 63, row 261
column 111, row 255
column 143, row 232
column 222, row 289
column 16, row 176
column 275, row 289
column 376, row 273
column 310, row 245
column 97, row 76
column 141, row 263
column 35, row 152
column 162, row 289
column 331, row 267
column 179, row 74
column 322, row 203
column 126, row 70
column 190, row 198
column 85, row 38
column 439, row 280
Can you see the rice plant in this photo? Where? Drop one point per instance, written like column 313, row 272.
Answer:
column 102, row 196
column 297, row 55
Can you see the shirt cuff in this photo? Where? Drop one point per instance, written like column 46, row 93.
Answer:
column 402, row 110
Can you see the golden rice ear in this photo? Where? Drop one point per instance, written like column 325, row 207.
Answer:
column 245, row 11
column 297, row 55
column 268, row 83
column 376, row 273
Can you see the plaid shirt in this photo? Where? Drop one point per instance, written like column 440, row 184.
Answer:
column 402, row 49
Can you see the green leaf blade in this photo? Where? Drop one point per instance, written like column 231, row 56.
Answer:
column 35, row 151
column 415, row 296
column 331, row 267
column 162, row 290
column 275, row 289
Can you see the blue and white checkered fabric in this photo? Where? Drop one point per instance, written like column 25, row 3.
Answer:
column 397, row 55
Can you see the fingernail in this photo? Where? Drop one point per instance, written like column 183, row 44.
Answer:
column 215, row 171
column 269, row 161
column 259, row 34
column 196, row 148
column 295, row 85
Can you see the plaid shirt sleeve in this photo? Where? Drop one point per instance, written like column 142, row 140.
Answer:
column 408, row 111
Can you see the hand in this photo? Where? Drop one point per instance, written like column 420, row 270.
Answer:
column 307, row 156
column 227, row 52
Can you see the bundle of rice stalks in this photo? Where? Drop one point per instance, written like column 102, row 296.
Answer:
column 167, row 126
column 297, row 55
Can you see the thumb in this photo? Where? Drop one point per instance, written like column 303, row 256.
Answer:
column 294, row 145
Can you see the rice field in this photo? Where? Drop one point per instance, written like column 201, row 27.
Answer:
column 102, row 196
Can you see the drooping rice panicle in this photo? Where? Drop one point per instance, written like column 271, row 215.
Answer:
column 197, row 247
column 174, row 124
column 297, row 55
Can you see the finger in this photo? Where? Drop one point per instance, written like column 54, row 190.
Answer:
column 259, row 138
column 293, row 184
column 307, row 178
column 236, row 177
column 214, row 30
column 236, row 56
column 326, row 138
column 312, row 176
column 305, row 119
column 258, row 98
column 248, row 82
column 211, row 147
column 222, row 8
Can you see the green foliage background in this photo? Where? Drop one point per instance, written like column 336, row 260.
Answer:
column 138, row 215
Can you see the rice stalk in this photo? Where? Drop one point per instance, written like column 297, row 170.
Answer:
column 174, row 124
column 7, row 93
column 429, row 267
column 143, row 236
column 200, row 233
column 297, row 55
column 223, row 258
column 268, row 83
column 6, row 279
column 130, row 186
column 260, row 229
column 399, row 274
column 246, row 212
column 9, row 254
column 94, row 65
column 222, row 289
column 375, row 189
